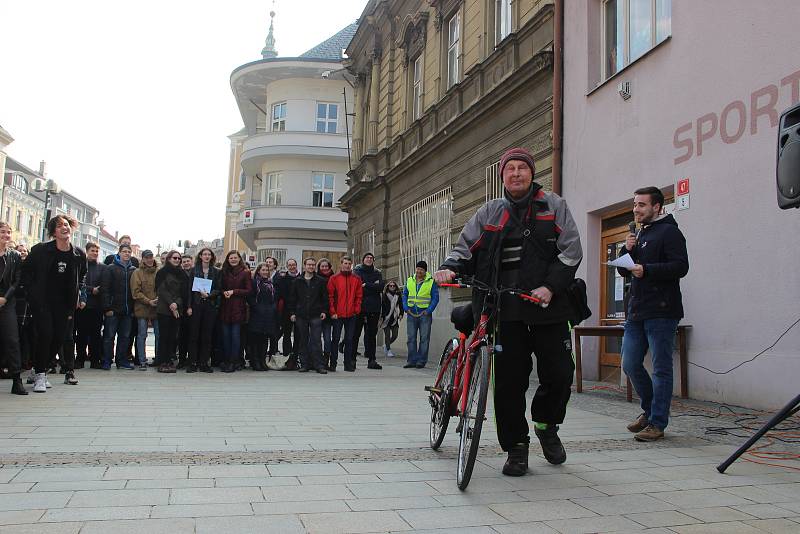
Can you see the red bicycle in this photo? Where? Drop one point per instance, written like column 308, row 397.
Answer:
column 462, row 381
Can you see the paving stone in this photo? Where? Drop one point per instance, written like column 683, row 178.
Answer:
column 460, row 530
column 309, row 493
column 633, row 488
column 468, row 498
column 661, row 519
column 765, row 511
column 615, row 477
column 294, row 470
column 593, row 524
column 222, row 471
column 150, row 526
column 299, row 507
column 525, row 528
column 215, row 495
column 44, row 528
column 701, row 498
column 361, row 468
column 201, row 510
column 171, row 483
column 397, row 489
column 541, row 511
column 717, row 514
column 79, row 485
column 733, row 527
column 91, row 499
column 34, row 501
column 775, row 526
column 96, row 514
column 20, row 516
column 265, row 524
column 19, row 487
column 255, row 481
column 144, row 472
column 353, row 522
column 529, row 482
column 60, row 474
column 7, row 474
column 452, row 517
column 392, row 503
column 622, row 504
column 331, row 479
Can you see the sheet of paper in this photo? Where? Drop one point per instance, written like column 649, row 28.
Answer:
column 201, row 284
column 626, row 262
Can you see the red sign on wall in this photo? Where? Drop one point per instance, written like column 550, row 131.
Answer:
column 683, row 187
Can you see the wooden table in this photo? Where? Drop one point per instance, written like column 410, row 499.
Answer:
column 619, row 331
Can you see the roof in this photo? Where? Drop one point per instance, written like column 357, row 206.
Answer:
column 14, row 165
column 331, row 49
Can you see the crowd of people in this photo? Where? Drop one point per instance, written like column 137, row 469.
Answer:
column 62, row 306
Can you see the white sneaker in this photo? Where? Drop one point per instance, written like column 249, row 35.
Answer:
column 39, row 383
column 389, row 353
column 31, row 376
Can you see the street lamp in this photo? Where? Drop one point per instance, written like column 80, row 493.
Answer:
column 47, row 187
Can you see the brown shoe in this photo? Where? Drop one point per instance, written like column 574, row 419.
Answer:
column 638, row 425
column 651, row 433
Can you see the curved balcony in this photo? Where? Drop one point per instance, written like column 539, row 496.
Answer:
column 291, row 222
column 258, row 148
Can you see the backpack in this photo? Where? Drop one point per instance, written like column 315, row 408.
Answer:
column 578, row 301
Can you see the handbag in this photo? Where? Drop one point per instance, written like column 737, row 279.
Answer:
column 277, row 362
column 579, row 303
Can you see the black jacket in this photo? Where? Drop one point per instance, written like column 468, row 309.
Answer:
column 94, row 278
column 11, row 276
column 38, row 264
column 263, row 311
column 171, row 287
column 283, row 287
column 115, row 289
column 661, row 250
column 308, row 300
column 213, row 275
column 373, row 288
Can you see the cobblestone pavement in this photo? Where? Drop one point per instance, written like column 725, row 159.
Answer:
column 284, row 452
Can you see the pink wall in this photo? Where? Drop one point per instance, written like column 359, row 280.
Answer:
column 704, row 106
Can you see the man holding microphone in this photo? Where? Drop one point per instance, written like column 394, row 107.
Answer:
column 654, row 309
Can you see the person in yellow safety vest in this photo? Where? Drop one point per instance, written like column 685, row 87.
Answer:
column 420, row 298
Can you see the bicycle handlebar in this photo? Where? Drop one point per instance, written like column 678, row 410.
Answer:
column 521, row 293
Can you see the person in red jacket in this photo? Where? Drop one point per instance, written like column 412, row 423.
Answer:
column 236, row 286
column 344, row 295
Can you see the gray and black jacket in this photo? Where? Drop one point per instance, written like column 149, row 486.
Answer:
column 534, row 240
column 11, row 276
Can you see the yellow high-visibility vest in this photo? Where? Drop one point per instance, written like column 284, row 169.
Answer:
column 421, row 299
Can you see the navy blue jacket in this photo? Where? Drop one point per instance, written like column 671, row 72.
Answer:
column 661, row 250
column 372, row 279
column 264, row 318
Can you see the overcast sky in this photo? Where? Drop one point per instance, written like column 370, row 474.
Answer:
column 130, row 102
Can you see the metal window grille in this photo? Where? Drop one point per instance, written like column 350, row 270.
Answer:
column 425, row 232
column 364, row 244
column 277, row 253
column 494, row 182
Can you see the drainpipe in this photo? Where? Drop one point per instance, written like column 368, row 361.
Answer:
column 558, row 87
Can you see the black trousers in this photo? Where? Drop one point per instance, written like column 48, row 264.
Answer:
column 552, row 346
column 257, row 347
column 201, row 328
column 168, row 327
column 88, row 322
column 52, row 327
column 10, row 354
column 309, row 342
column 67, row 350
column 184, row 337
column 287, row 329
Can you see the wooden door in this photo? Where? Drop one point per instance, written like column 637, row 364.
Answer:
column 613, row 290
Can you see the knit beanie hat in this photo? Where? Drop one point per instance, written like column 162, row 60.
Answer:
column 520, row 154
column 422, row 264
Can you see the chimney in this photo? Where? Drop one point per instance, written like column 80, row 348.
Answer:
column 116, row 235
column 43, row 169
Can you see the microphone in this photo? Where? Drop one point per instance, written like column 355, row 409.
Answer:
column 632, row 227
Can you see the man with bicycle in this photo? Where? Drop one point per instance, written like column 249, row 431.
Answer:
column 526, row 240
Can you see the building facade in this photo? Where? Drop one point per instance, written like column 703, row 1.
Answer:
column 686, row 96
column 289, row 163
column 5, row 140
column 22, row 206
column 443, row 88
column 108, row 242
column 216, row 246
column 64, row 203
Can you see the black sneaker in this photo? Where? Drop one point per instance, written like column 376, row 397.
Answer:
column 372, row 364
column 191, row 369
column 552, row 448
column 410, row 366
column 517, row 463
column 69, row 378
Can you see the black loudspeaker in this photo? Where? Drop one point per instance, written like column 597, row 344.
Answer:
column 788, row 173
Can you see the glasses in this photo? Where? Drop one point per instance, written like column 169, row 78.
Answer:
column 176, row 258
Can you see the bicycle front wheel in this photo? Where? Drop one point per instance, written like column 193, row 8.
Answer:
column 472, row 419
column 441, row 397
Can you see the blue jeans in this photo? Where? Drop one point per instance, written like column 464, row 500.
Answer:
column 118, row 326
column 418, row 352
column 141, row 338
column 231, row 341
column 655, row 392
column 347, row 324
column 327, row 336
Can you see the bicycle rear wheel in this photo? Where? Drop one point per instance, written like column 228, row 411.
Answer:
column 472, row 419
column 441, row 398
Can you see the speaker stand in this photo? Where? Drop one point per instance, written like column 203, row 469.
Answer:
column 786, row 412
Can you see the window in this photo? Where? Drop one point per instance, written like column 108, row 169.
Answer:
column 8, row 215
column 416, row 89
column 18, row 225
column 277, row 253
column 631, row 28
column 78, row 215
column 322, row 189
column 425, row 231
column 274, row 181
column 67, row 208
column 453, row 38
column 30, row 225
column 327, row 117
column 494, row 182
column 502, row 19
column 18, row 182
column 242, row 181
column 365, row 243
column 279, row 117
